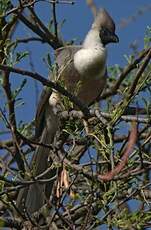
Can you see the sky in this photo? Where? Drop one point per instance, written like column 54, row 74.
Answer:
column 78, row 19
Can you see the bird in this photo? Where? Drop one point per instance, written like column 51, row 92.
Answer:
column 83, row 70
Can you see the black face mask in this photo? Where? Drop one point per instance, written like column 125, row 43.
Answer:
column 107, row 36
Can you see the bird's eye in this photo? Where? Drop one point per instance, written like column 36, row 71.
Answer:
column 104, row 32
column 107, row 35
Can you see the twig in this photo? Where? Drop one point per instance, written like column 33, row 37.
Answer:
column 12, row 119
column 110, row 175
column 64, row 2
column 124, row 74
column 136, row 191
column 139, row 73
column 65, row 115
column 21, row 184
column 30, row 141
column 43, row 27
column 131, row 142
column 54, row 18
column 51, row 40
column 30, row 39
column 22, row 6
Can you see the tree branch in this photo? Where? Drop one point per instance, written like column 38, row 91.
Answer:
column 48, row 83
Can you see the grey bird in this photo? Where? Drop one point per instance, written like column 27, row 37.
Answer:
column 85, row 64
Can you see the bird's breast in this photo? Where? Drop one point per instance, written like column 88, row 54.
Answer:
column 90, row 63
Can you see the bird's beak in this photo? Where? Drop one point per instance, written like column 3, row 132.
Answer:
column 114, row 38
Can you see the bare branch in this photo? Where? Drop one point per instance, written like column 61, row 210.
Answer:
column 48, row 83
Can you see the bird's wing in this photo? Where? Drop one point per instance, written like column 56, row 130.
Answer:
column 67, row 71
column 68, row 75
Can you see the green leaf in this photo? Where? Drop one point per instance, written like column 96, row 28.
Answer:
column 19, row 89
column 147, row 38
column 21, row 55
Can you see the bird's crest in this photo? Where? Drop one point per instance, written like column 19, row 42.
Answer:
column 103, row 19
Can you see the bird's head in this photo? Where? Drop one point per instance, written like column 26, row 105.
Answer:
column 106, row 27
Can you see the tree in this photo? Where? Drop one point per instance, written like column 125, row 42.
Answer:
column 101, row 156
